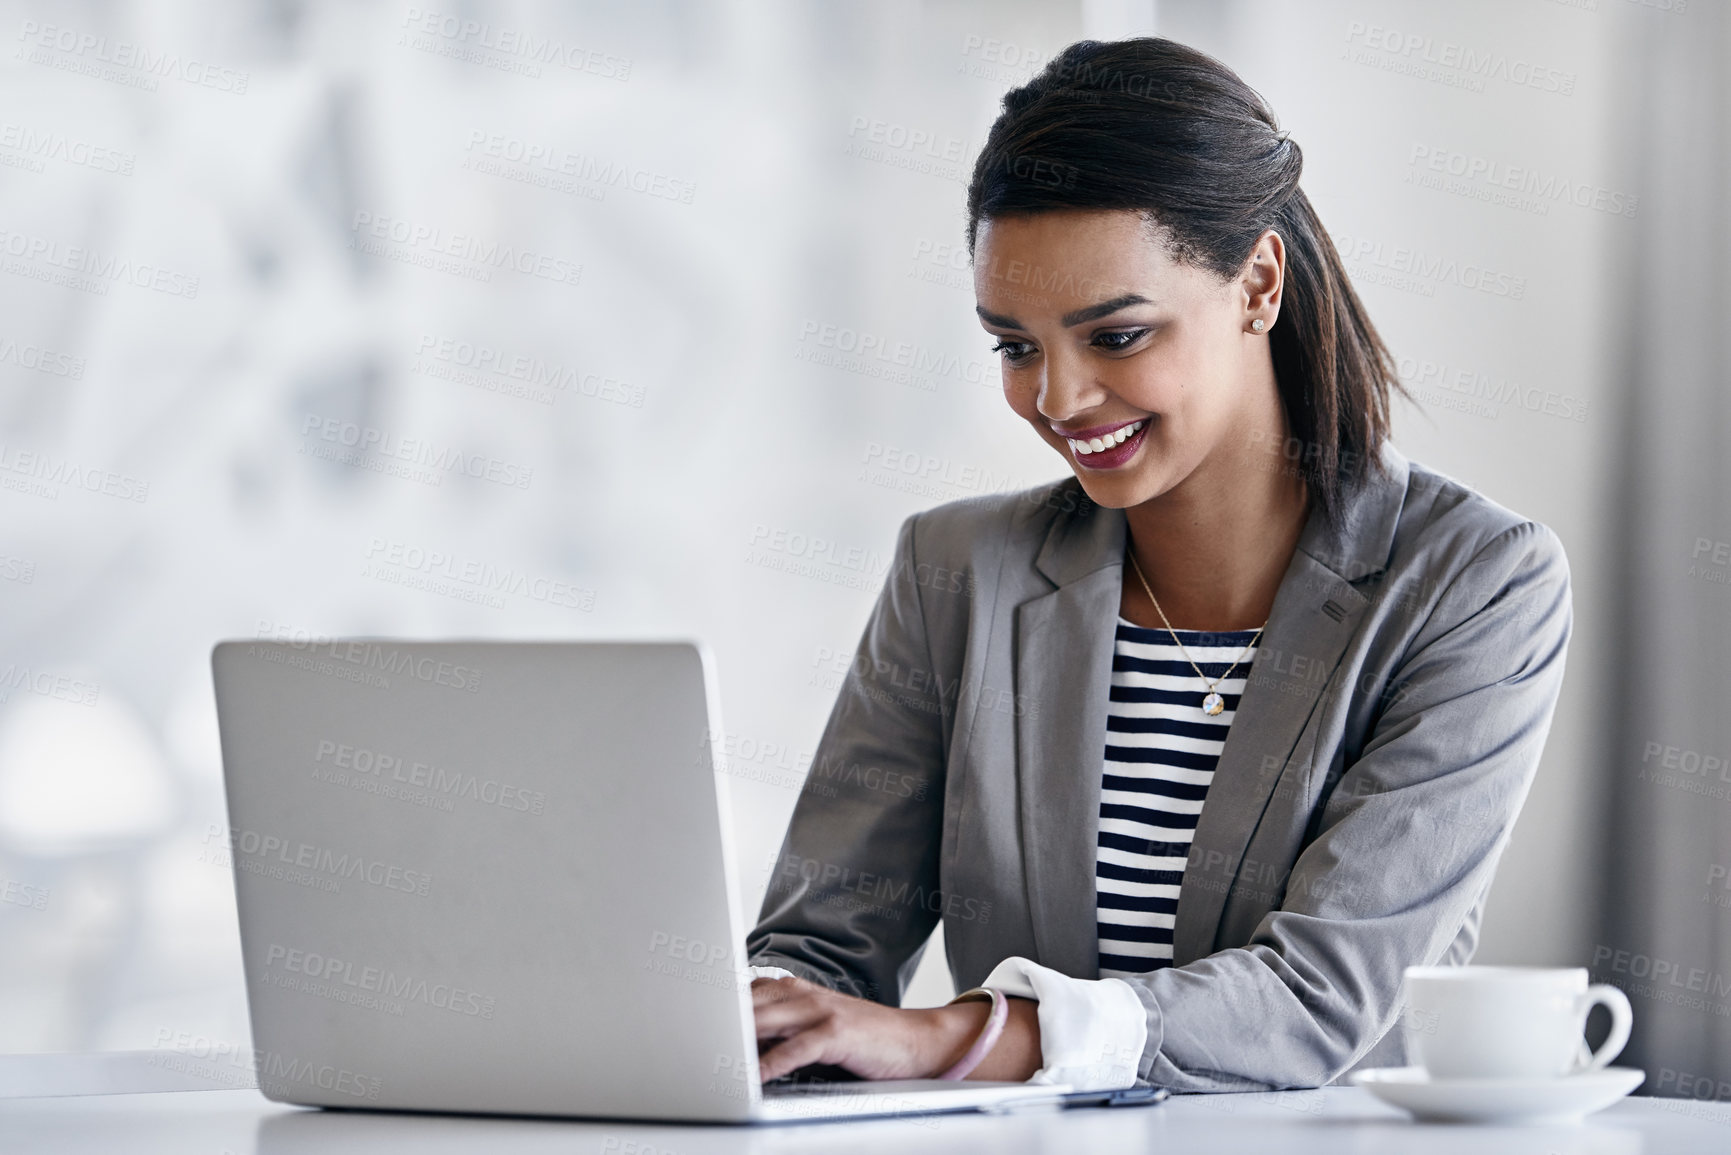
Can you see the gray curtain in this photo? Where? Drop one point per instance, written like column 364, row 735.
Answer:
column 1666, row 927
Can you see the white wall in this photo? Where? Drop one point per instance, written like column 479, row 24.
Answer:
column 701, row 432
column 1515, row 393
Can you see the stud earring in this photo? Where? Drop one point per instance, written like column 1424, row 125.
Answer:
column 1259, row 324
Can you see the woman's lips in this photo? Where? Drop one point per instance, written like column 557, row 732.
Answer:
column 1112, row 452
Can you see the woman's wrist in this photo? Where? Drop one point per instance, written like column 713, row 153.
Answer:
column 954, row 1027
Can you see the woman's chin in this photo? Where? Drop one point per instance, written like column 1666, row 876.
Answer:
column 1120, row 489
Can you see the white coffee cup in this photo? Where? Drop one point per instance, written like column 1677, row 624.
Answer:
column 1508, row 1022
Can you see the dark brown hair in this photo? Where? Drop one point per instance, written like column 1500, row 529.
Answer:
column 1153, row 126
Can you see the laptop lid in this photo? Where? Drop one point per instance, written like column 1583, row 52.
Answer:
column 486, row 877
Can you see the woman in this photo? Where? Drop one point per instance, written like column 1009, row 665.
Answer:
column 1212, row 739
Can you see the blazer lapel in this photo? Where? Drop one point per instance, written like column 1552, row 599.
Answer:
column 1316, row 612
column 1294, row 659
column 1063, row 654
column 1063, row 645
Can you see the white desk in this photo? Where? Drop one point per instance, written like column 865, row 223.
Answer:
column 1335, row 1121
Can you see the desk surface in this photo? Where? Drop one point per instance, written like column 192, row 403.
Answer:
column 1338, row 1121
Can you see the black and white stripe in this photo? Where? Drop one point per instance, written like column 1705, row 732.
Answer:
column 1161, row 750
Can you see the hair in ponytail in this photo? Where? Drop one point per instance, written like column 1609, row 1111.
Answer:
column 1153, row 126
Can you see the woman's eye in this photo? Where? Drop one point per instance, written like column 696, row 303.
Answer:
column 1121, row 339
column 1013, row 351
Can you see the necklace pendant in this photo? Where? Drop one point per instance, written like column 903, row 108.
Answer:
column 1213, row 703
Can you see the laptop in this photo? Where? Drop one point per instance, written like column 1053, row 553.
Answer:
column 494, row 877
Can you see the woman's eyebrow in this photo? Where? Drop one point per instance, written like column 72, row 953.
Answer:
column 1072, row 319
column 1103, row 309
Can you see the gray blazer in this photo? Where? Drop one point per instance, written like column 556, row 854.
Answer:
column 1393, row 719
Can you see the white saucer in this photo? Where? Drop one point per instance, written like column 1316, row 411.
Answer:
column 1562, row 1100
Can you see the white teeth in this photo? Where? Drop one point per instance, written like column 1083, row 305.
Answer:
column 1110, row 441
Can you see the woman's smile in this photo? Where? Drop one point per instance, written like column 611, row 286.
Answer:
column 1108, row 446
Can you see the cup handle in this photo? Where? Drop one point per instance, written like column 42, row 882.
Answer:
column 1622, row 1017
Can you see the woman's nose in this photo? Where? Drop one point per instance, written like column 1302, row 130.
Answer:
column 1067, row 389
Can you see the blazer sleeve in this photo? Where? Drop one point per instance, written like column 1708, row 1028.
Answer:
column 853, row 894
column 1405, row 844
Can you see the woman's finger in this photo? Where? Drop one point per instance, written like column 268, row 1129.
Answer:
column 774, row 990
column 788, row 1016
column 785, row 1001
column 802, row 1050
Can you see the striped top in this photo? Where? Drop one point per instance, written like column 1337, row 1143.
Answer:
column 1161, row 750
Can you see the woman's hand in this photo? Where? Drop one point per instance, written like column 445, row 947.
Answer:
column 801, row 1023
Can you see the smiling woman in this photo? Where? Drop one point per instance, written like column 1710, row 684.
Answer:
column 1208, row 850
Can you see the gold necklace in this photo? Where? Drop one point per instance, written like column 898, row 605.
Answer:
column 1213, row 703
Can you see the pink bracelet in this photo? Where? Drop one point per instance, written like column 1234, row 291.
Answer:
column 983, row 1045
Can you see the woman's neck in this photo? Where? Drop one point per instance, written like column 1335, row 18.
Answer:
column 1215, row 547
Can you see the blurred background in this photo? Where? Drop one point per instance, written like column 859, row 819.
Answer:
column 544, row 320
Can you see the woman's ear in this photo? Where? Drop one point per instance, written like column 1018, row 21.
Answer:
column 1264, row 278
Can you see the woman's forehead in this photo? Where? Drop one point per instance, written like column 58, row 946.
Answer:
column 1057, row 263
